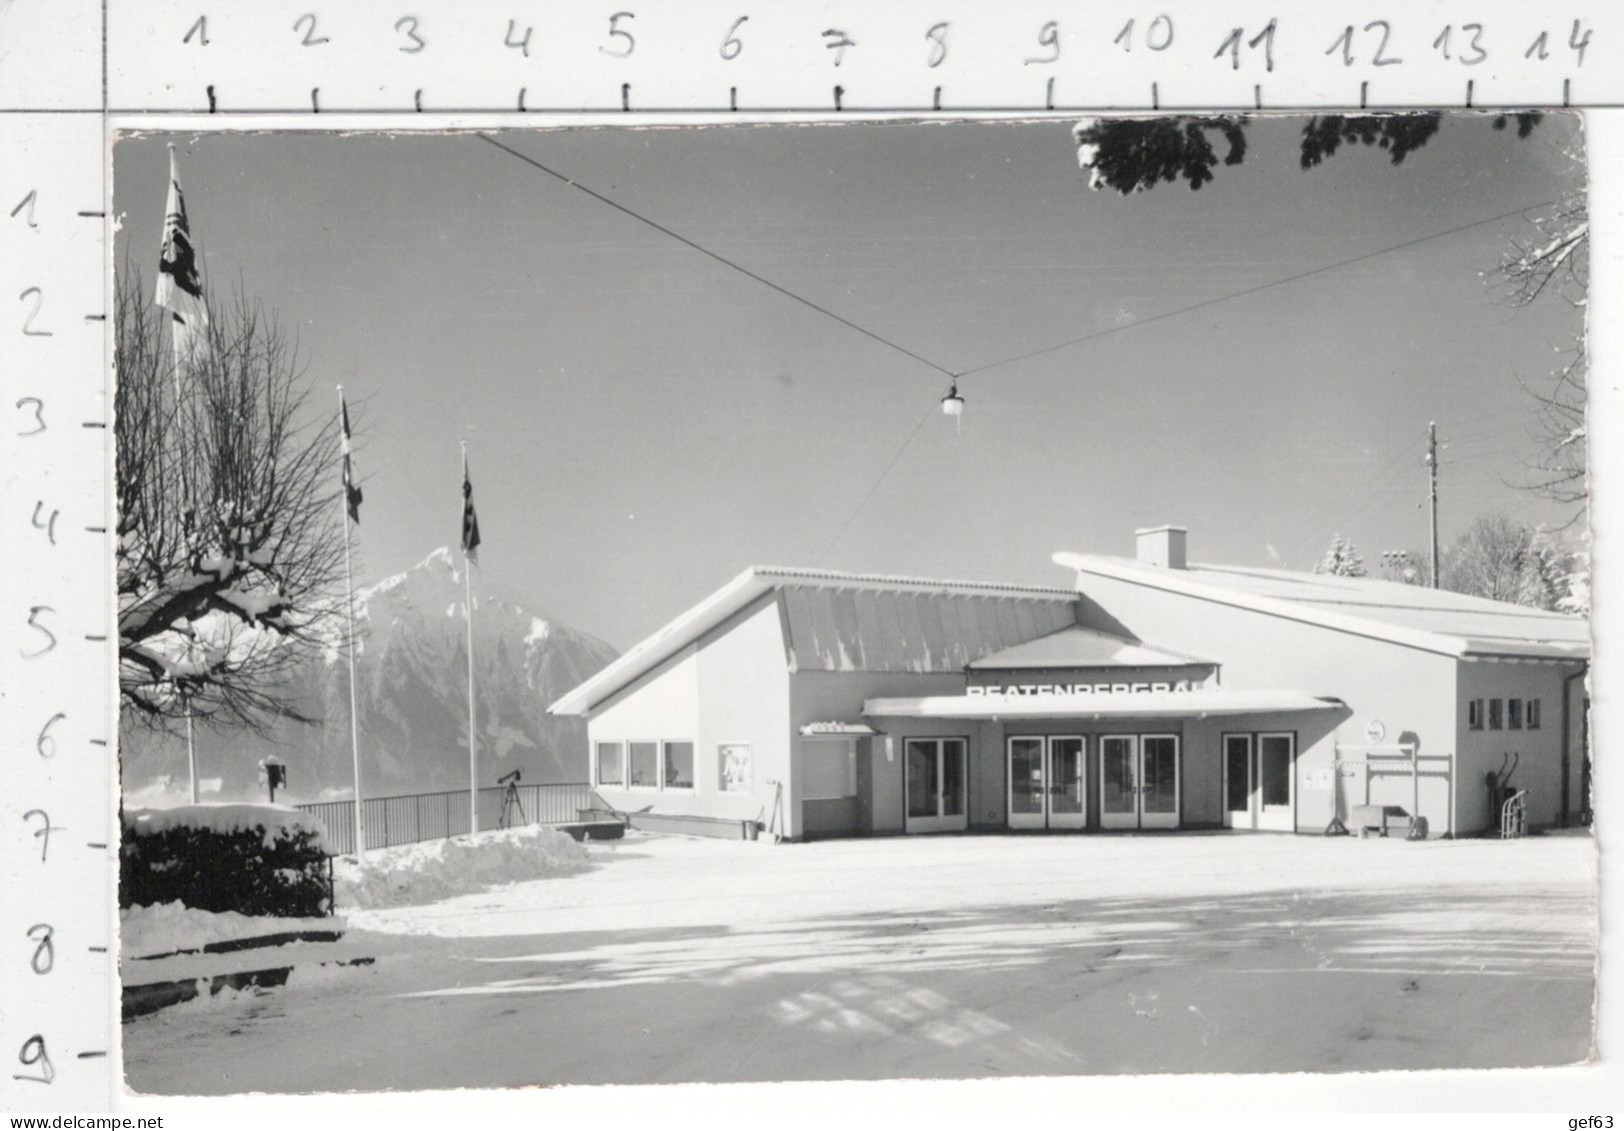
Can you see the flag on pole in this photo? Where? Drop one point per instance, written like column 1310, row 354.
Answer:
column 352, row 489
column 180, row 287
column 470, row 520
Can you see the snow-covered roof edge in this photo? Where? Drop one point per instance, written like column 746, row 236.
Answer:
column 689, row 626
column 1178, row 581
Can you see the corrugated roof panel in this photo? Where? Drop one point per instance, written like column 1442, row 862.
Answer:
column 934, row 632
column 1026, row 620
column 1060, row 616
column 892, row 646
column 843, row 603
column 868, row 627
column 992, row 627
column 803, row 637
column 957, row 654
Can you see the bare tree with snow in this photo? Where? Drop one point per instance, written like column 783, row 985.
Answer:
column 1555, row 263
column 1504, row 560
column 230, row 544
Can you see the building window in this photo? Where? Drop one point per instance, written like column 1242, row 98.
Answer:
column 1474, row 714
column 1514, row 714
column 1496, row 714
column 828, row 770
column 643, row 765
column 610, row 770
column 1531, row 714
column 679, row 765
column 733, row 767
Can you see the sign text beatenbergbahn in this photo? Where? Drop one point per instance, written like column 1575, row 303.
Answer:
column 1018, row 690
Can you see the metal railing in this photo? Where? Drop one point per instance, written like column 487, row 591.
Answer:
column 412, row 817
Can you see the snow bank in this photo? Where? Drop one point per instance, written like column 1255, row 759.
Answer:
column 162, row 928
column 277, row 822
column 434, row 870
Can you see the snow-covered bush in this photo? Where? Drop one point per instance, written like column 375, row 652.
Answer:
column 252, row 859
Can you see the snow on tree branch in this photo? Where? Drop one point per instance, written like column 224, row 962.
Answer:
column 229, row 541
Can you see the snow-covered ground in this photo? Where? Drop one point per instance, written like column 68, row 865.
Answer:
column 167, row 928
column 673, row 959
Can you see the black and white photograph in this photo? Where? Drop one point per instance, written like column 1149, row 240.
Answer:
column 951, row 599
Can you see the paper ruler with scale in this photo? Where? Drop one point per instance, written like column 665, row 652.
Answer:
column 74, row 71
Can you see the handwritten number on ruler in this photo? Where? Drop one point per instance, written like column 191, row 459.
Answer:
column 522, row 44
column 33, row 1055
column 1474, row 32
column 28, row 323
column 1378, row 58
column 49, row 525
column 732, row 45
column 45, row 744
column 838, row 41
column 1539, row 47
column 43, row 833
column 311, row 39
column 39, row 414
column 615, row 30
column 199, row 29
column 33, row 195
column 408, row 24
column 44, row 949
column 938, row 44
column 1048, row 36
column 1577, row 43
column 1158, row 36
column 1232, row 44
column 50, row 637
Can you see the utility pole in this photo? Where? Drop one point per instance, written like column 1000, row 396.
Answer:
column 1432, row 493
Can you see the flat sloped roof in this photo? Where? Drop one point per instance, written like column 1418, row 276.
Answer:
column 1079, row 647
column 821, row 641
column 1436, row 620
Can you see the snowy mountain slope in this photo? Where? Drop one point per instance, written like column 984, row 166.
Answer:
column 411, row 690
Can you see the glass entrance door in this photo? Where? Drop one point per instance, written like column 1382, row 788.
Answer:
column 1119, row 781
column 935, row 785
column 1276, row 760
column 1028, row 784
column 1240, row 789
column 1046, row 782
column 1139, row 781
column 1067, row 792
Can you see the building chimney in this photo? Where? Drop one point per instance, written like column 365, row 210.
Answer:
column 1162, row 546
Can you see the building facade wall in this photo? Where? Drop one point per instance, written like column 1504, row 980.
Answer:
column 1537, row 752
column 1410, row 691
column 731, row 687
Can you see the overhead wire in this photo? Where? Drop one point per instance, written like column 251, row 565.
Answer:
column 1374, row 491
column 722, row 259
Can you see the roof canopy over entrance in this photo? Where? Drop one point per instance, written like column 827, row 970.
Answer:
column 1198, row 703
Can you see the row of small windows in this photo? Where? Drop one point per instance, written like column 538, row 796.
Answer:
column 668, row 765
column 1503, row 714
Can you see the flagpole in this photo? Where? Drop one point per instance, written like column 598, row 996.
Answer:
column 473, row 753
column 349, row 619
column 179, row 330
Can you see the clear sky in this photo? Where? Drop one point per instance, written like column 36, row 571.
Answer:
column 643, row 422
